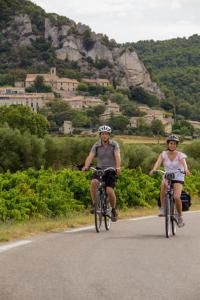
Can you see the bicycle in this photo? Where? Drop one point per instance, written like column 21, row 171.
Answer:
column 169, row 208
column 102, row 207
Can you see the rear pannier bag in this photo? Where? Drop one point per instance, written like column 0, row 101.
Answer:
column 186, row 201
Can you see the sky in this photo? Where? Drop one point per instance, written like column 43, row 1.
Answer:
column 131, row 20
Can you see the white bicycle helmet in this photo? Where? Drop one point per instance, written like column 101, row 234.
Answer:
column 173, row 138
column 104, row 128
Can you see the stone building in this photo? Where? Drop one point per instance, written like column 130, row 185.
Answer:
column 33, row 100
column 51, row 79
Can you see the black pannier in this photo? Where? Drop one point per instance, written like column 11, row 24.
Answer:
column 186, row 201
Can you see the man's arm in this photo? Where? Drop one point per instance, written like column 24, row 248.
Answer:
column 88, row 161
column 118, row 161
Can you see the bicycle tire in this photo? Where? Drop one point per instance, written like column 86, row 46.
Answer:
column 107, row 214
column 167, row 216
column 98, row 212
column 173, row 222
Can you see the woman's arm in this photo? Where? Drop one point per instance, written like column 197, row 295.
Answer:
column 157, row 164
column 187, row 172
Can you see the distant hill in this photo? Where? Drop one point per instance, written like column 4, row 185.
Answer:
column 175, row 65
column 33, row 41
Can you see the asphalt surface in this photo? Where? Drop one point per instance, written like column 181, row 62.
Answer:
column 134, row 260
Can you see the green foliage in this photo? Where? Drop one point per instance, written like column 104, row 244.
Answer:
column 135, row 189
column 139, row 156
column 157, row 127
column 142, row 96
column 19, row 151
column 182, row 127
column 47, row 193
column 82, row 87
column 174, row 64
column 39, row 86
column 38, row 194
column 88, row 42
column 24, row 119
column 119, row 123
column 102, row 63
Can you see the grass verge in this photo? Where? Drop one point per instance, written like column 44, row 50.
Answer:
column 14, row 231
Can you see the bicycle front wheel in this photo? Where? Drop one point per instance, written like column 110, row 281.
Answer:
column 167, row 216
column 173, row 218
column 98, row 212
column 107, row 215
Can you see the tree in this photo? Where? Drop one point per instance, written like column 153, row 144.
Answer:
column 88, row 42
column 24, row 119
column 157, row 128
column 19, row 150
column 142, row 96
column 39, row 86
column 119, row 123
column 82, row 87
column 56, row 112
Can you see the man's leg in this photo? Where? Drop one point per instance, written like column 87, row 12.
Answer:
column 112, row 198
column 111, row 195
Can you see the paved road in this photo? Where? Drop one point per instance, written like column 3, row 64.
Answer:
column 131, row 262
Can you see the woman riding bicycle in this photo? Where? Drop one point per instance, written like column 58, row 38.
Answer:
column 173, row 161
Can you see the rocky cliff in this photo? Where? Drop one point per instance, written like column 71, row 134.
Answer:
column 76, row 42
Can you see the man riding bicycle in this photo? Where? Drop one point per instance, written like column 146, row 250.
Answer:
column 173, row 161
column 108, row 155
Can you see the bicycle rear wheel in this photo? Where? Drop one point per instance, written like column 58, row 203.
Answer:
column 107, row 215
column 98, row 212
column 173, row 221
column 167, row 216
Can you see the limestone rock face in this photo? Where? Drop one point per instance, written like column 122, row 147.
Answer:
column 70, row 41
column 52, row 32
column 23, row 24
column 136, row 73
column 24, row 30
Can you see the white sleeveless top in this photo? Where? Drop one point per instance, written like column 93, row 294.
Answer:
column 174, row 165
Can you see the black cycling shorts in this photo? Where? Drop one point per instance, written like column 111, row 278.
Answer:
column 109, row 178
column 178, row 181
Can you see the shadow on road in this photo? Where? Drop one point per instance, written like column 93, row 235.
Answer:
column 140, row 237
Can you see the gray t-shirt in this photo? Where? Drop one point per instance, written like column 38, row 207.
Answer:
column 105, row 154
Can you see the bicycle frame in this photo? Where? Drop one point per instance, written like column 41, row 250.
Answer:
column 102, row 208
column 169, row 208
column 170, row 217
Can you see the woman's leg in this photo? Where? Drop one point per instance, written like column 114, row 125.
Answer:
column 177, row 197
column 163, row 189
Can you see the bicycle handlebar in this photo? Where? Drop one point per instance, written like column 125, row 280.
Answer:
column 168, row 172
column 104, row 170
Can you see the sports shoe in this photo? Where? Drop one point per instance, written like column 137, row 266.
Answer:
column 180, row 221
column 162, row 212
column 113, row 215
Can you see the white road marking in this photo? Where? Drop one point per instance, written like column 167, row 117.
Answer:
column 79, row 229
column 131, row 219
column 13, row 245
column 191, row 212
column 141, row 218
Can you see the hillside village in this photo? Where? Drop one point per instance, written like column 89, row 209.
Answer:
column 66, row 89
